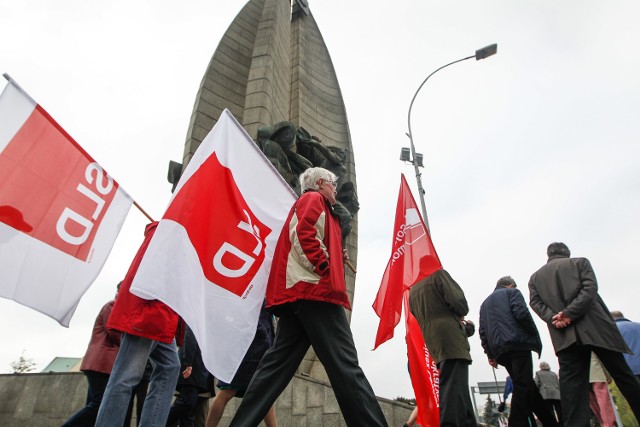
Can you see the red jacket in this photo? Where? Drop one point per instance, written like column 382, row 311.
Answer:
column 136, row 316
column 308, row 260
column 103, row 346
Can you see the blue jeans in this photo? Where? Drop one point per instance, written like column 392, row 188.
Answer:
column 127, row 372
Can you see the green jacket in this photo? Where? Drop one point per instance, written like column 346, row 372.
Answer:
column 438, row 303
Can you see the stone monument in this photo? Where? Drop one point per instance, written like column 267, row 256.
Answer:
column 273, row 72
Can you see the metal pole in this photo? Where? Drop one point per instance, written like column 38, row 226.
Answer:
column 413, row 148
column 482, row 53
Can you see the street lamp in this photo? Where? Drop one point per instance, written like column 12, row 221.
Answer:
column 416, row 158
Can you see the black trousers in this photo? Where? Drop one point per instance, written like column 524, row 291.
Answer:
column 86, row 417
column 325, row 327
column 182, row 410
column 555, row 406
column 456, row 409
column 526, row 396
column 574, row 381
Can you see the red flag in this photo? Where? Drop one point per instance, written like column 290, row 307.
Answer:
column 60, row 212
column 413, row 258
column 425, row 376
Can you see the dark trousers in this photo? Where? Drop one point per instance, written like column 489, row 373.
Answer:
column 554, row 405
column 456, row 409
column 183, row 408
column 325, row 327
column 526, row 397
column 138, row 396
column 574, row 381
column 86, row 417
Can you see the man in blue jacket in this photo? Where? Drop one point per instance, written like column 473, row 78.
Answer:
column 509, row 335
column 631, row 333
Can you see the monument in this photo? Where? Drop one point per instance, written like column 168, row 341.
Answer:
column 273, row 72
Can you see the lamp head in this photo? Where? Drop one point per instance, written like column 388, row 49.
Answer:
column 486, row 51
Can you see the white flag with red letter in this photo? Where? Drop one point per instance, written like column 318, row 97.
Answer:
column 60, row 213
column 210, row 257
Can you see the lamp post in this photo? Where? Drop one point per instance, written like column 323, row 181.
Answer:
column 416, row 158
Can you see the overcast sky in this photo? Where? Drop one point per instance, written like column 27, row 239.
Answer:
column 536, row 144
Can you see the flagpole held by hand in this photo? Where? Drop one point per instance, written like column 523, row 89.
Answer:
column 347, row 261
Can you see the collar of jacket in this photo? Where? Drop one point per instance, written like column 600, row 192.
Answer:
column 326, row 202
column 551, row 258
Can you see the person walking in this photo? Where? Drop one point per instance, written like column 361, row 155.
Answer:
column 307, row 291
column 547, row 382
column 439, row 305
column 508, row 335
column 149, row 333
column 564, row 293
column 96, row 366
column 599, row 396
column 194, row 379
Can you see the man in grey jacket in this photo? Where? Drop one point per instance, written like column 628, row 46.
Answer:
column 564, row 293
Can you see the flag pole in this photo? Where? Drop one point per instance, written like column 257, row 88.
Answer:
column 143, row 211
column 351, row 266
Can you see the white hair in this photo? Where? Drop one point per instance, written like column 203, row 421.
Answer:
column 309, row 178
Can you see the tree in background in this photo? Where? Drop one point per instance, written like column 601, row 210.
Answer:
column 626, row 416
column 23, row 365
column 490, row 413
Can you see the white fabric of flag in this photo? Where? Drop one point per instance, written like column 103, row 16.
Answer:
column 210, row 257
column 60, row 213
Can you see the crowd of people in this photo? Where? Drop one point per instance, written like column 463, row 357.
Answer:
column 306, row 291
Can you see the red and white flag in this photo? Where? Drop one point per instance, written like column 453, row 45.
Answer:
column 210, row 257
column 413, row 258
column 60, row 212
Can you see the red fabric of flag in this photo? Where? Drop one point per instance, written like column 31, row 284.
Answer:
column 413, row 257
column 425, row 376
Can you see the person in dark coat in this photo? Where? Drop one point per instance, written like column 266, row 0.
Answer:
column 262, row 340
column 564, row 293
column 439, row 305
column 508, row 336
column 96, row 366
column 194, row 379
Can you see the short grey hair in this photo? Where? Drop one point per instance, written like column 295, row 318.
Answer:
column 505, row 281
column 309, row 178
column 558, row 248
column 617, row 315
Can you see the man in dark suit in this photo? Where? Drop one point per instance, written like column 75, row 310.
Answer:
column 564, row 293
column 508, row 336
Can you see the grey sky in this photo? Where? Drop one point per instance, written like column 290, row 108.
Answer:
column 536, row 144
